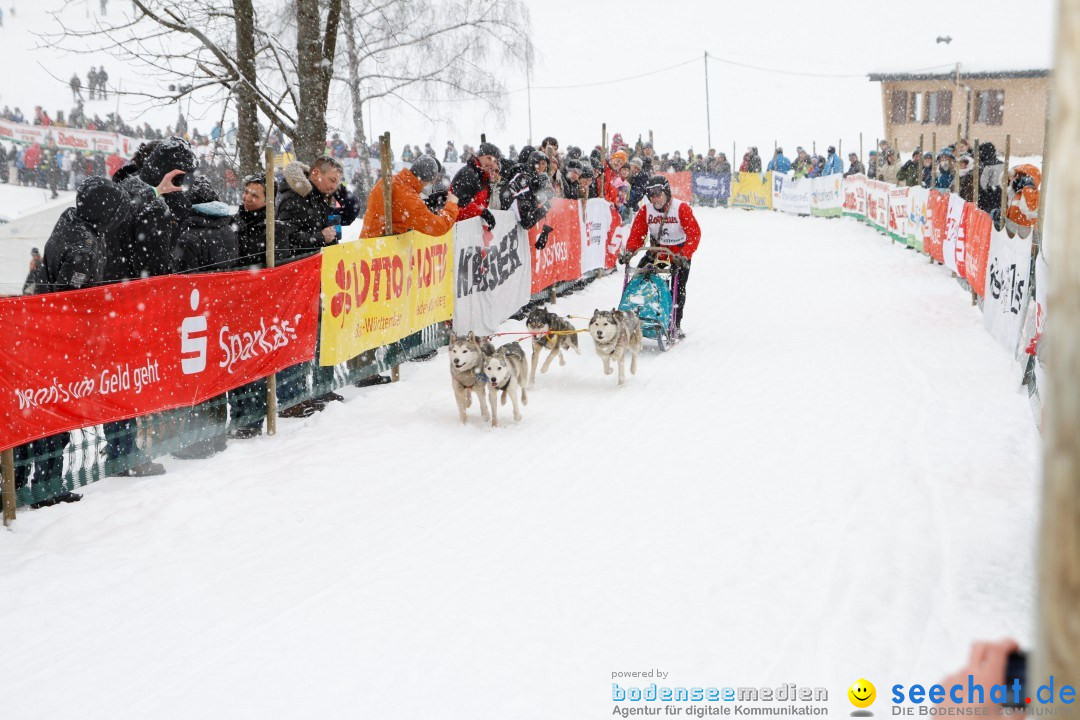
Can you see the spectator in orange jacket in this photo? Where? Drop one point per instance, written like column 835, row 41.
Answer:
column 1023, row 211
column 410, row 212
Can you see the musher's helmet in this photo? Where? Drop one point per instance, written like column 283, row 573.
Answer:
column 657, row 184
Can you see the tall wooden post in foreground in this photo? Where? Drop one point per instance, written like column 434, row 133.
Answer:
column 271, row 214
column 1057, row 636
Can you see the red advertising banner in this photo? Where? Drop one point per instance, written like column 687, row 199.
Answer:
column 682, row 185
column 937, row 211
column 977, row 227
column 85, row 357
column 560, row 260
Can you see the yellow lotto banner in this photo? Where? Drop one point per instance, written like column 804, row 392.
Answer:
column 752, row 190
column 378, row 290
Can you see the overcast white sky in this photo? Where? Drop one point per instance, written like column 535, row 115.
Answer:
column 593, row 42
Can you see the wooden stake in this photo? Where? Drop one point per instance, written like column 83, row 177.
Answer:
column 271, row 244
column 1057, row 630
column 975, row 170
column 922, row 149
column 388, row 206
column 933, row 160
column 603, row 141
column 7, row 460
column 1005, row 179
column 861, row 152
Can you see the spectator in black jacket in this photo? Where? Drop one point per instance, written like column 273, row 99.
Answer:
column 472, row 183
column 142, row 247
column 638, row 181
column 854, row 165
column 247, row 404
column 207, row 243
column 307, row 219
column 73, row 259
column 570, row 186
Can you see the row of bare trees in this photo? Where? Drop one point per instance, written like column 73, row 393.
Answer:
column 277, row 63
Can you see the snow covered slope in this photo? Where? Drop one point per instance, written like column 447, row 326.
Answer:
column 834, row 477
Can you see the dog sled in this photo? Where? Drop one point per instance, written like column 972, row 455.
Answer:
column 650, row 291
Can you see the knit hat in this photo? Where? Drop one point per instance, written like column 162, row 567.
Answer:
column 573, row 165
column 99, row 199
column 637, row 162
column 487, row 148
column 620, row 155
column 201, row 191
column 425, row 168
column 169, row 155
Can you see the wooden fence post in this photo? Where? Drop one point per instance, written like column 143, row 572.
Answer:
column 387, row 164
column 7, row 459
column 271, row 240
column 1057, row 630
column 1005, row 179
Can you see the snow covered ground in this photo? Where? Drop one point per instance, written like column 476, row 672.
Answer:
column 834, row 477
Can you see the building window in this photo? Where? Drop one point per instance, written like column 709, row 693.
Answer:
column 916, row 108
column 898, row 112
column 939, row 108
column 990, row 107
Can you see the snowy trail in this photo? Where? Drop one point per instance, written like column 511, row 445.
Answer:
column 833, row 478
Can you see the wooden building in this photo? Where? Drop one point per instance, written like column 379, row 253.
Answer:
column 979, row 105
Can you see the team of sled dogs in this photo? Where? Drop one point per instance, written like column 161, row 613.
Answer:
column 475, row 364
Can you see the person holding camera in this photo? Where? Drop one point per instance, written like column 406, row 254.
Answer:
column 142, row 246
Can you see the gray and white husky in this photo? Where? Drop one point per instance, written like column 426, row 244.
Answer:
column 506, row 370
column 545, row 324
column 614, row 332
column 467, row 355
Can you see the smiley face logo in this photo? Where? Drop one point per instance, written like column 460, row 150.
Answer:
column 862, row 693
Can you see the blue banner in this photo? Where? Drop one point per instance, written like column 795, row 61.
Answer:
column 710, row 186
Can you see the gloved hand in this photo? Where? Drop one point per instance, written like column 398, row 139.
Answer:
column 624, row 257
column 680, row 261
column 541, row 241
column 488, row 219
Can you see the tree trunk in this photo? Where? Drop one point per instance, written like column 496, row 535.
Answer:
column 1057, row 644
column 247, row 115
column 315, row 62
column 359, row 138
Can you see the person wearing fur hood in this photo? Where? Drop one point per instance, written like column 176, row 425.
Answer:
column 307, row 218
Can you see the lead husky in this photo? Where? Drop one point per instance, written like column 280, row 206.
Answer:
column 545, row 324
column 614, row 332
column 467, row 355
column 506, row 370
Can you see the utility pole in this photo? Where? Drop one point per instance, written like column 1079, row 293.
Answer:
column 708, row 111
column 528, row 84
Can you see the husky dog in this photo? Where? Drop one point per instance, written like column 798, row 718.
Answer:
column 546, row 324
column 615, row 332
column 506, row 370
column 467, row 355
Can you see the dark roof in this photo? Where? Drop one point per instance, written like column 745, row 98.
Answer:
column 989, row 74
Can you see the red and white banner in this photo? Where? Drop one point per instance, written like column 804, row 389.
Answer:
column 877, row 204
column 599, row 246
column 953, row 247
column 85, row 357
column 560, row 260
column 899, row 211
column 937, row 212
column 977, row 226
column 855, row 196
column 68, row 138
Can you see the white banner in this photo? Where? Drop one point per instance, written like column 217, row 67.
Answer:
column 877, row 204
column 492, row 273
column 953, row 247
column 794, row 194
column 899, row 211
column 917, row 229
column 854, row 189
column 827, row 197
column 68, row 138
column 1007, row 287
column 595, row 234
